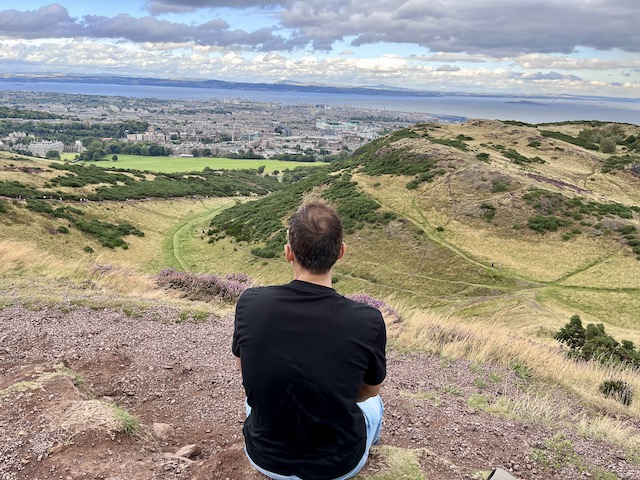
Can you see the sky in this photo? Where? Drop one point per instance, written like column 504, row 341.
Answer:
column 532, row 47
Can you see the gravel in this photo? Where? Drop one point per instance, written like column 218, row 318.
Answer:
column 184, row 375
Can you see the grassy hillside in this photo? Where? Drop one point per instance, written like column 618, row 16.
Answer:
column 487, row 236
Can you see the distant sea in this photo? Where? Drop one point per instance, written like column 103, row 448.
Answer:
column 525, row 109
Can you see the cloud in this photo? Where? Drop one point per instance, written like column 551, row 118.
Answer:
column 449, row 58
column 156, row 7
column 493, row 27
column 537, row 76
column 539, row 61
column 206, row 62
column 50, row 21
column 447, row 68
column 54, row 21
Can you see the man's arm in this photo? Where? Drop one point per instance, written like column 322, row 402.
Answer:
column 239, row 363
column 368, row 391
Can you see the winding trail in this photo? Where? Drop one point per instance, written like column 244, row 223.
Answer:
column 182, row 231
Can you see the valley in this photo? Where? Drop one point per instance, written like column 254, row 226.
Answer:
column 486, row 237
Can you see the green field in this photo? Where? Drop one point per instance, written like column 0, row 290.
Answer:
column 187, row 164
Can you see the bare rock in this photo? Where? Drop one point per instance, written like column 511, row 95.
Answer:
column 189, row 451
column 163, row 431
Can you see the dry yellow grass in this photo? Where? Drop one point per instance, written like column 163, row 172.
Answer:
column 618, row 271
column 615, row 308
column 20, row 257
column 526, row 254
column 489, row 343
column 619, row 432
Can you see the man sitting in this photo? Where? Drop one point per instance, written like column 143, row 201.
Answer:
column 312, row 362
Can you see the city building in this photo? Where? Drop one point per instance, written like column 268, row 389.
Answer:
column 41, row 148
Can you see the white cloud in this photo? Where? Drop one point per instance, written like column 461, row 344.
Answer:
column 539, row 61
column 193, row 61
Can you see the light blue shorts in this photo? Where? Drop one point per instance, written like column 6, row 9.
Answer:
column 372, row 410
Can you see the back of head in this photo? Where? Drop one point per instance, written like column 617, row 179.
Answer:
column 315, row 236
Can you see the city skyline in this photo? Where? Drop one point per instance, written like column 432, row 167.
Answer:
column 579, row 47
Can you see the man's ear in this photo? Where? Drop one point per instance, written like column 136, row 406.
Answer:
column 288, row 253
column 343, row 248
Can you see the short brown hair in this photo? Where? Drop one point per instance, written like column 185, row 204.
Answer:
column 315, row 236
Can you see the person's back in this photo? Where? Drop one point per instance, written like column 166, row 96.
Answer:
column 308, row 356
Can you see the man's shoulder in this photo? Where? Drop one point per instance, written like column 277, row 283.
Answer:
column 257, row 292
column 262, row 293
column 364, row 310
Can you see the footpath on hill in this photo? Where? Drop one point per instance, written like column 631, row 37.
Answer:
column 62, row 368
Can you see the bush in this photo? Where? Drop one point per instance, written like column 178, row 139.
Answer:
column 618, row 390
column 542, row 224
column 88, row 249
column 205, row 287
column 572, row 334
column 489, row 211
column 569, row 139
column 593, row 343
column 62, row 229
column 39, row 206
column 608, row 145
column 497, row 187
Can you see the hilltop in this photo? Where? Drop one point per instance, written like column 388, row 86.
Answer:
column 483, row 239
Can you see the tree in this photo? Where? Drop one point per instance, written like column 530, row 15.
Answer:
column 573, row 334
column 114, row 158
column 53, row 154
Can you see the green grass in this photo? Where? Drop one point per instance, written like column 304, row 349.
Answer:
column 402, row 463
column 128, row 424
column 195, row 164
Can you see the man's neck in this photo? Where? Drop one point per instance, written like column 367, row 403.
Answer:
column 323, row 279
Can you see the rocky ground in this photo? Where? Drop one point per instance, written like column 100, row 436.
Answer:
column 62, row 369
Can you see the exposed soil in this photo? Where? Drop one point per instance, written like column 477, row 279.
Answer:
column 184, row 375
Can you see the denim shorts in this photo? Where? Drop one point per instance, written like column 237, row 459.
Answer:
column 372, row 410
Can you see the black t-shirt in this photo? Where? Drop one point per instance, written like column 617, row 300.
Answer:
column 305, row 351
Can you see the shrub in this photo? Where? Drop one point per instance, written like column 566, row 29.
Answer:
column 542, row 224
column 519, row 158
column 498, row 186
column 618, row 390
column 627, row 229
column 88, row 249
column 62, row 229
column 569, row 139
column 489, row 211
column 483, row 157
column 205, row 287
column 39, row 206
column 593, row 343
column 607, row 145
column 264, row 252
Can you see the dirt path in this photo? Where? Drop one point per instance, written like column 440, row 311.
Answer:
column 183, row 374
column 185, row 229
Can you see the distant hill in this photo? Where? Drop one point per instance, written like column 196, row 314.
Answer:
column 272, row 87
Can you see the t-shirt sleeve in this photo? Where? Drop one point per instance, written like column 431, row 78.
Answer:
column 377, row 369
